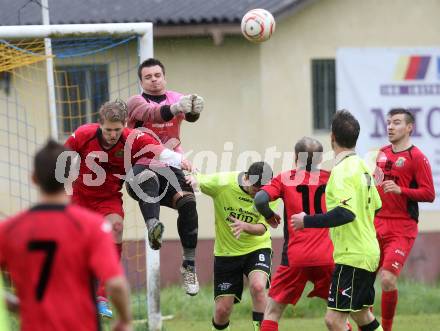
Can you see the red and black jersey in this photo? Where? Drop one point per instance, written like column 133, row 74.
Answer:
column 101, row 169
column 409, row 169
column 300, row 191
column 54, row 254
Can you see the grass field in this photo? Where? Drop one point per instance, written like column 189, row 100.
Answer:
column 418, row 310
column 402, row 323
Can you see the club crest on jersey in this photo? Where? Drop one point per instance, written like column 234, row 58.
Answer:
column 119, row 153
column 400, row 162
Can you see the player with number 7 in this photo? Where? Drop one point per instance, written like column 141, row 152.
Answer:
column 55, row 252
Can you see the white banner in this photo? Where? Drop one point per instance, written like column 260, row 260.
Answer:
column 371, row 81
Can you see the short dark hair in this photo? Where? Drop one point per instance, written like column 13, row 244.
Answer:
column 409, row 117
column 45, row 162
column 151, row 62
column 345, row 128
column 310, row 146
column 259, row 173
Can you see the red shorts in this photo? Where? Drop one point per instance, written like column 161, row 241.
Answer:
column 394, row 251
column 288, row 283
column 395, row 246
column 103, row 206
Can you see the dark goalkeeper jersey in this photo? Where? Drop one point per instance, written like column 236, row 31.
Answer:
column 54, row 254
column 409, row 169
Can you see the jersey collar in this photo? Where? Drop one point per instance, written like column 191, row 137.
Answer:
column 343, row 155
column 48, row 206
column 403, row 150
column 155, row 98
column 240, row 182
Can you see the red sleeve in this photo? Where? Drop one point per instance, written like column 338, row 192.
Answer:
column 103, row 258
column 141, row 110
column 274, row 188
column 147, row 146
column 71, row 142
column 425, row 186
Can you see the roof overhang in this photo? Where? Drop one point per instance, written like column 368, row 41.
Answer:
column 215, row 31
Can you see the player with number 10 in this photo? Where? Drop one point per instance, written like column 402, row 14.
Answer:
column 352, row 201
column 307, row 255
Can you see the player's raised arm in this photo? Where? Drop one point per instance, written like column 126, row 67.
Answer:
column 198, row 104
column 140, row 110
column 156, row 104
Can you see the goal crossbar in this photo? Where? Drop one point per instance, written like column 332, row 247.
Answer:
column 64, row 30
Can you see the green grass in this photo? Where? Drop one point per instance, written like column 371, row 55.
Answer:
column 414, row 299
column 402, row 323
column 418, row 309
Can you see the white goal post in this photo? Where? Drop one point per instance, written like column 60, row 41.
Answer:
column 144, row 31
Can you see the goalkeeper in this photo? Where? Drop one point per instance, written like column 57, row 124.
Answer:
column 162, row 112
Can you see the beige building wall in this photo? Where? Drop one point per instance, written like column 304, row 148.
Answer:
column 317, row 32
column 276, row 110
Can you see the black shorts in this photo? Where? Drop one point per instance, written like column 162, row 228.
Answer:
column 171, row 181
column 229, row 271
column 352, row 289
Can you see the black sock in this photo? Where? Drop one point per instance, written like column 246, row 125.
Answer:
column 189, row 254
column 370, row 327
column 257, row 317
column 218, row 326
column 186, row 263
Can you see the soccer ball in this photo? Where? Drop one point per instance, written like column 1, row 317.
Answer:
column 257, row 25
